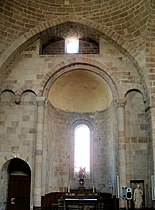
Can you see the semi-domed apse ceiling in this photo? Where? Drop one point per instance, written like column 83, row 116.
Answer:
column 80, row 91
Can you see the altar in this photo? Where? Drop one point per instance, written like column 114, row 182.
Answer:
column 79, row 199
column 80, row 203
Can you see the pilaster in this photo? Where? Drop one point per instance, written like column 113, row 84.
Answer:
column 120, row 109
column 39, row 151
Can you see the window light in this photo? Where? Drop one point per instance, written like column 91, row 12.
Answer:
column 71, row 45
column 82, row 148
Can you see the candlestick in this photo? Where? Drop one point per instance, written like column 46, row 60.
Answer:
column 93, row 189
column 69, row 189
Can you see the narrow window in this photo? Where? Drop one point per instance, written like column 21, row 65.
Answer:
column 72, row 45
column 82, row 148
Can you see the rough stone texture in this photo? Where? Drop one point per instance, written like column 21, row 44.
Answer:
column 30, row 72
column 61, row 154
column 127, row 18
column 16, row 138
column 125, row 31
column 136, row 138
column 58, row 47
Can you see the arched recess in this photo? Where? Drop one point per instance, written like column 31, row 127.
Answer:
column 29, row 97
column 136, row 90
column 7, row 96
column 23, row 94
column 16, row 182
column 53, row 126
column 136, row 135
column 88, row 65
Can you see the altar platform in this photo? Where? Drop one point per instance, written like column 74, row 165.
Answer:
column 79, row 199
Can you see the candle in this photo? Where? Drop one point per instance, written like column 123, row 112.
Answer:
column 69, row 189
column 93, row 189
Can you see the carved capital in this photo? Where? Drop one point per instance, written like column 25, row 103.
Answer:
column 17, row 99
column 40, row 101
column 120, row 103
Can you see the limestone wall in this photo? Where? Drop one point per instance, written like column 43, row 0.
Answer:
column 136, row 141
column 32, row 74
column 60, row 148
column 127, row 18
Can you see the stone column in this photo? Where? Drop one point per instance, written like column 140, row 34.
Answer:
column 152, row 136
column 39, row 152
column 151, row 148
column 120, row 108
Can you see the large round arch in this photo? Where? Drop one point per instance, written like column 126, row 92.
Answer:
column 87, row 65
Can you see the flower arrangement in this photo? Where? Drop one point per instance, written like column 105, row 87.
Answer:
column 82, row 173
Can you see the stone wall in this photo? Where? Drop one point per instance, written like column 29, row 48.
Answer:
column 127, row 18
column 136, row 146
column 17, row 133
column 31, row 70
column 123, row 31
column 18, row 125
column 58, row 47
column 60, row 141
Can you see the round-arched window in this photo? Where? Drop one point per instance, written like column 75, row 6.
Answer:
column 82, row 148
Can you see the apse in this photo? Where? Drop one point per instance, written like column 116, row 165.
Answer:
column 80, row 91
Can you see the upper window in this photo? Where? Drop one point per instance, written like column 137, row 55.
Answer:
column 71, row 45
column 82, row 148
column 70, row 37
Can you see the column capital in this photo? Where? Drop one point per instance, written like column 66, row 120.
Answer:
column 41, row 100
column 17, row 99
column 120, row 103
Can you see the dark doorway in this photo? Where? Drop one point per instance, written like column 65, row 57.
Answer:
column 19, row 185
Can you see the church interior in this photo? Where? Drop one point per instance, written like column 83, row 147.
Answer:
column 77, row 104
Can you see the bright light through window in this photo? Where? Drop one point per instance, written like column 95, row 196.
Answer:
column 71, row 45
column 82, row 148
